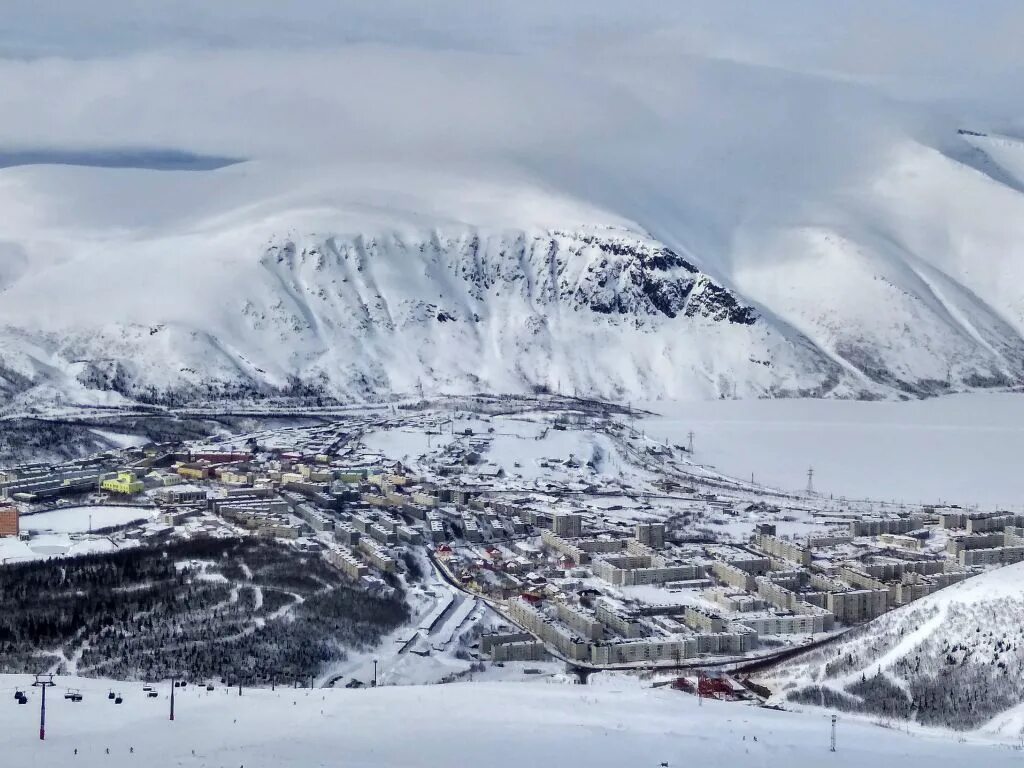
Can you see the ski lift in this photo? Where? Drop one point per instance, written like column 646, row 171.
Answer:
column 111, row 695
column 118, row 700
column 23, row 699
column 177, row 684
column 18, row 694
column 73, row 694
column 183, row 684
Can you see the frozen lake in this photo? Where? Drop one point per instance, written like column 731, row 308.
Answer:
column 76, row 519
column 963, row 449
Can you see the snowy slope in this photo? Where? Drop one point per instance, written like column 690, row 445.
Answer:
column 954, row 658
column 611, row 723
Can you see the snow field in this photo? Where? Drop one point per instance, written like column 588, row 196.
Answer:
column 615, row 722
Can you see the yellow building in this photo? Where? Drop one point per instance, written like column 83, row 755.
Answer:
column 125, row 483
column 193, row 471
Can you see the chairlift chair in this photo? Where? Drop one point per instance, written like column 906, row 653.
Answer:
column 111, row 695
column 118, row 700
column 152, row 694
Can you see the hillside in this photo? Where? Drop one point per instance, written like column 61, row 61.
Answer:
column 953, row 659
column 611, row 723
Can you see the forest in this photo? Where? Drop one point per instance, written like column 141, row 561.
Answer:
column 244, row 611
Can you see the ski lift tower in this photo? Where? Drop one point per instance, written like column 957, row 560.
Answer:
column 44, row 682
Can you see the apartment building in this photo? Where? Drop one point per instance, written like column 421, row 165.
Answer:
column 345, row 560
column 376, row 555
column 787, row 550
column 734, row 577
column 985, row 523
column 631, row 570
column 567, row 642
column 652, row 650
column 736, row 601
column 618, row 619
column 345, row 533
column 584, row 623
column 568, row 524
column 878, row 526
column 786, row 623
column 856, row 605
column 993, row 556
column 522, row 650
column 703, row 621
column 651, row 534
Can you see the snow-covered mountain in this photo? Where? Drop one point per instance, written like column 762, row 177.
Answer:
column 731, row 230
column 954, row 659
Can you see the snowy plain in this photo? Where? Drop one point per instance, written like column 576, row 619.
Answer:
column 963, row 449
column 79, row 519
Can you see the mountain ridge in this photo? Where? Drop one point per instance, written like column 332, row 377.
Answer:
column 250, row 281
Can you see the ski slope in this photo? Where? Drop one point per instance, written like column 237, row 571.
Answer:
column 615, row 722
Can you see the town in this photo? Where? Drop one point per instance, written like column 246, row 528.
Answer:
column 585, row 541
